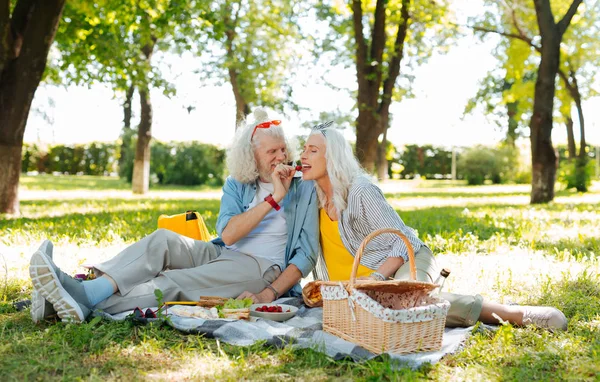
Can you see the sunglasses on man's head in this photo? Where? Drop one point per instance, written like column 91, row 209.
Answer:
column 265, row 125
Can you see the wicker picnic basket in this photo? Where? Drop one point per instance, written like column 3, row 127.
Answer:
column 397, row 316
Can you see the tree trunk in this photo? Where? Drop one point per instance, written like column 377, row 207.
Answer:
column 582, row 142
column 127, row 107
column 375, row 90
column 382, row 162
column 582, row 159
column 141, row 166
column 10, row 170
column 573, row 88
column 543, row 157
column 241, row 107
column 23, row 55
column 366, row 139
column 127, row 134
column 572, row 150
column 511, row 134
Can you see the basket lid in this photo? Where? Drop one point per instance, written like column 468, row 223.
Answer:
column 391, row 286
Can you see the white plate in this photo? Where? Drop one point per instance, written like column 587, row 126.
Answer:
column 285, row 315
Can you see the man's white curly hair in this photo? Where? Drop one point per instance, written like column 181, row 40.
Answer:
column 342, row 167
column 240, row 161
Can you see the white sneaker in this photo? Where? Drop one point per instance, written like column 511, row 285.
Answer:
column 65, row 293
column 41, row 309
column 545, row 317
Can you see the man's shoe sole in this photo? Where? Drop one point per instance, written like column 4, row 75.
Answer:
column 45, row 282
column 40, row 308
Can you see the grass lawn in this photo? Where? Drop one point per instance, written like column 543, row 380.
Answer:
column 492, row 240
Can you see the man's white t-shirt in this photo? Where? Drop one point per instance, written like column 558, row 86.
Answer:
column 268, row 239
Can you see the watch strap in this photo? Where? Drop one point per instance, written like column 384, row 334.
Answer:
column 269, row 199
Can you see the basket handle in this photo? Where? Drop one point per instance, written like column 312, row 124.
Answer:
column 363, row 245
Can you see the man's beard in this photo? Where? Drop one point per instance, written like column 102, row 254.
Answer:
column 265, row 175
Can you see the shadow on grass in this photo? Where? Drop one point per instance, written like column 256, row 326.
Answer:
column 517, row 354
column 71, row 352
column 450, row 194
column 582, row 248
column 133, row 219
column 122, row 350
column 47, row 182
column 570, row 355
column 579, row 299
column 446, row 221
column 129, row 219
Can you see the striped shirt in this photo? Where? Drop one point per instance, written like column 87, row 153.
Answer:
column 368, row 211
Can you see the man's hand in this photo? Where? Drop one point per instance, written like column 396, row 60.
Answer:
column 282, row 178
column 265, row 296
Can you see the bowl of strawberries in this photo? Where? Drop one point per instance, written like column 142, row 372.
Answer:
column 274, row 312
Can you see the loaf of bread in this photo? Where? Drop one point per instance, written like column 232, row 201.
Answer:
column 237, row 314
column 311, row 294
column 210, row 301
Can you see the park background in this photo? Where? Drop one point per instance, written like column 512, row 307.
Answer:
column 182, row 73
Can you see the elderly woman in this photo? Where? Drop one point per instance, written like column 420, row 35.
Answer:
column 352, row 207
column 268, row 240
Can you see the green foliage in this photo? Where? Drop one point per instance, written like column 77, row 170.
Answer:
column 431, row 29
column 254, row 46
column 127, row 153
column 576, row 173
column 90, row 159
column 341, row 120
column 506, row 93
column 503, row 164
column 478, row 164
column 104, row 41
column 426, row 160
column 32, row 158
column 188, row 163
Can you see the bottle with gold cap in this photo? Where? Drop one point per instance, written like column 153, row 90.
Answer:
column 444, row 273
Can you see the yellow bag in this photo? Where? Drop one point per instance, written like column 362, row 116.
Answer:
column 188, row 224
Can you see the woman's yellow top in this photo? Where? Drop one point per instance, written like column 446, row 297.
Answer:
column 337, row 258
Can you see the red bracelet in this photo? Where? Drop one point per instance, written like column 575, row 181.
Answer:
column 269, row 199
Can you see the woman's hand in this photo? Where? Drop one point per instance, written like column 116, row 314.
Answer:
column 265, row 296
column 369, row 278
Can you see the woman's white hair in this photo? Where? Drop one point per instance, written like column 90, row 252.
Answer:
column 342, row 167
column 241, row 161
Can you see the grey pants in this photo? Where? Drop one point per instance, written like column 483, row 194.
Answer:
column 183, row 269
column 464, row 309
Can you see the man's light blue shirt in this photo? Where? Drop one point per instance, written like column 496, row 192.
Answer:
column 301, row 213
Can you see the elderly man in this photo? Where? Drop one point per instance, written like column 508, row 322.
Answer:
column 268, row 241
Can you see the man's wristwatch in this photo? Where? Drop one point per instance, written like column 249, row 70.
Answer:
column 269, row 199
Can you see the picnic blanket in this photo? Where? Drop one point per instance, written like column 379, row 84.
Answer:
column 302, row 331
